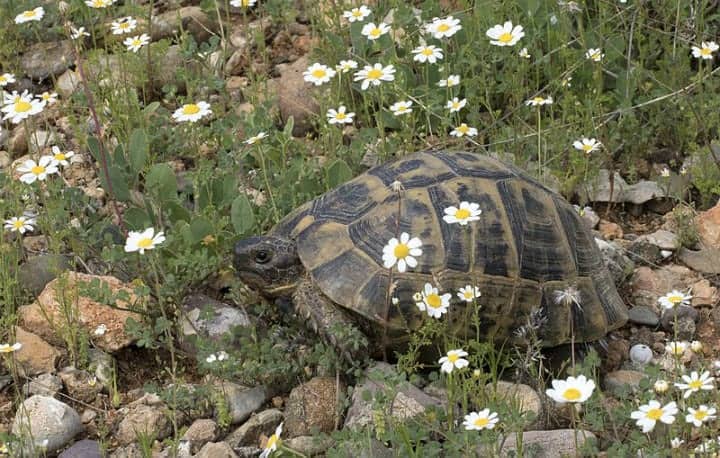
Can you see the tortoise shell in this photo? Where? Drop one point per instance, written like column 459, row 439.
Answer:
column 528, row 244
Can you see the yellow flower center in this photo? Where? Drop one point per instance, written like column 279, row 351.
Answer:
column 587, row 148
column 463, row 129
column 98, row 3
column 705, row 51
column 245, row 3
column 572, row 394
column 434, row 301
column 468, row 294
column 374, row 74
column 145, row 243
column 357, row 13
column 675, row 299
column 376, row 32
column 340, row 116
column 427, row 52
column 18, row 224
column 505, row 37
column 700, row 415
column 37, row 170
column 191, row 109
column 271, row 442
column 595, row 55
column 695, row 384
column 2, row 79
column 481, row 422
column 59, row 156
column 318, row 73
column 29, row 14
column 463, row 213
column 443, row 27
column 538, row 99
column 456, row 105
column 124, row 26
column 137, row 42
column 22, row 106
column 453, row 357
column 654, row 414
column 401, row 251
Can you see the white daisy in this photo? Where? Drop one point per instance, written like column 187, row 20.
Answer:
column 192, row 112
column 573, row 389
column 30, row 15
column 357, row 14
column 6, row 78
column 7, row 348
column 700, row 415
column 123, row 25
column 243, row 3
column 272, row 443
column 19, row 107
column 402, row 107
column 61, row 158
column 256, row 138
column 318, row 74
column 587, row 145
column 20, row 224
column 373, row 32
column 99, row 3
column 505, row 35
column 524, row 53
column 430, row 54
column 145, row 240
column 374, row 75
column 676, row 442
column 402, row 252
column 661, row 386
column 674, row 298
column 538, row 100
column 469, row 293
column 480, row 420
column 706, row 50
column 78, row 33
column 453, row 360
column 649, row 414
column 467, row 212
column 340, row 116
column 696, row 346
column 432, row 302
column 695, row 382
column 135, row 43
column 665, row 172
column 455, row 104
column 464, row 130
column 443, row 28
column 346, row 65
column 676, row 348
column 594, row 54
column 32, row 171
column 452, row 80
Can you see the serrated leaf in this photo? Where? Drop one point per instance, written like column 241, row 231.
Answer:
column 242, row 215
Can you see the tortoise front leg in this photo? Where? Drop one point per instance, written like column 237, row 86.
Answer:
column 329, row 320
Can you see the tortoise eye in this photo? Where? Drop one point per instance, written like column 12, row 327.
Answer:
column 262, row 256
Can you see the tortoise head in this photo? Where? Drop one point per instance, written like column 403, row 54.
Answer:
column 269, row 264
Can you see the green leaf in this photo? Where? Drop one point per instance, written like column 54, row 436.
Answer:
column 118, row 183
column 137, row 218
column 199, row 228
column 337, row 173
column 138, row 150
column 94, row 147
column 161, row 181
column 289, row 125
column 242, row 215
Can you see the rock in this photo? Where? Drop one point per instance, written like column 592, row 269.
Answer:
column 249, row 433
column 643, row 315
column 704, row 260
column 67, row 84
column 619, row 265
column 408, row 400
column 47, row 59
column 216, row 450
column 5, row 160
column 310, row 445
column 36, row 356
column 210, row 319
column 665, row 240
column 685, row 317
column 526, row 399
column 622, row 382
column 296, row 97
column 610, row 230
column 243, row 401
column 599, row 190
column 35, row 273
column 102, row 365
column 43, row 384
column 45, row 315
column 704, row 294
column 645, row 253
column 47, row 419
column 200, row 433
column 81, row 385
column 588, row 215
column 41, row 140
column 708, row 227
column 83, row 449
column 142, row 419
column 640, row 355
column 648, row 285
column 313, row 407
column 191, row 19
column 544, row 444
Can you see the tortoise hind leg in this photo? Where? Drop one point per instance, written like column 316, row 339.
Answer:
column 330, row 321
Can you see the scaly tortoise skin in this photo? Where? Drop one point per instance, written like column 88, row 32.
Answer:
column 528, row 244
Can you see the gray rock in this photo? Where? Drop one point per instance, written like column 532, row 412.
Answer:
column 83, row 449
column 644, row 253
column 313, row 407
column 705, row 260
column 620, row 381
column 43, row 384
column 295, row 96
column 40, row 270
column 40, row 140
column 80, row 384
column 680, row 312
column 310, row 445
column 545, row 444
column 248, row 452
column 209, row 318
column 243, row 401
column 599, row 190
column 216, row 450
column 408, row 400
column 588, row 215
column 200, row 433
column 665, row 240
column 67, row 84
column 249, row 433
column 643, row 315
column 191, row 19
column 142, row 419
column 641, row 355
column 36, row 356
column 619, row 265
column 45, row 59
column 102, row 364
column 47, row 419
column 526, row 399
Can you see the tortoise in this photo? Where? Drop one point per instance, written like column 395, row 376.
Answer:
column 528, row 248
